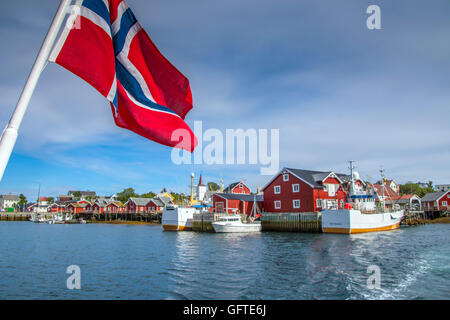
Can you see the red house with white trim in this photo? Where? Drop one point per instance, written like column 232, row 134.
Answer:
column 238, row 188
column 234, row 203
column 436, row 201
column 297, row 190
column 115, row 207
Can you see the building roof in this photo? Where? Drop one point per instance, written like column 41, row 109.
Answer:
column 230, row 188
column 388, row 192
column 313, row 178
column 242, row 197
column 12, row 197
column 140, row 201
column 434, row 196
column 83, row 193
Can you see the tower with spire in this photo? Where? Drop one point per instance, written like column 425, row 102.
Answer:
column 201, row 189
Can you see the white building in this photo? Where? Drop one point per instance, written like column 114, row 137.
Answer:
column 8, row 201
column 442, row 187
column 201, row 190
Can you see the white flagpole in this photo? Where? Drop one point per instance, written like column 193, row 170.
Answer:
column 9, row 135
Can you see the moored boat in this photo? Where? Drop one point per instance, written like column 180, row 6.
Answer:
column 177, row 218
column 361, row 213
column 233, row 223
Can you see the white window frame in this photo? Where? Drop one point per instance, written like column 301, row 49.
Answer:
column 318, row 203
column 444, row 203
column 293, row 204
column 285, row 176
column 275, row 204
column 275, row 189
column 298, row 187
column 325, row 187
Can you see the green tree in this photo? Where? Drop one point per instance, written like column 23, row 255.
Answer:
column 22, row 200
column 163, row 190
column 148, row 195
column 77, row 195
column 414, row 188
column 213, row 186
column 50, row 200
column 126, row 194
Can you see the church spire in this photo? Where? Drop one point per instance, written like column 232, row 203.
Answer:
column 200, row 182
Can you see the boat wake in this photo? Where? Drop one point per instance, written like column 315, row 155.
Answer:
column 415, row 270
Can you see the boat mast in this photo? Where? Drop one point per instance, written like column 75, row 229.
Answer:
column 352, row 180
column 382, row 187
column 39, row 196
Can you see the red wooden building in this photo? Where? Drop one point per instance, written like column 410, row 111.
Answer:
column 76, row 208
column 436, row 201
column 115, row 207
column 238, row 188
column 236, row 203
column 137, row 205
column 296, row 190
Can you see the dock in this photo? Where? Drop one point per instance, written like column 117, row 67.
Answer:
column 15, row 216
column 306, row 222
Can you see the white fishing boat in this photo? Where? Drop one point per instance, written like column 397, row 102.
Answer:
column 177, row 218
column 38, row 218
column 361, row 213
column 233, row 223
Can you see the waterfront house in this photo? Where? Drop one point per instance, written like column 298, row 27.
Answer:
column 406, row 201
column 57, row 207
column 386, row 194
column 237, row 187
column 157, row 204
column 8, row 201
column 436, row 201
column 99, row 206
column 137, row 205
column 298, row 190
column 76, row 208
column 235, row 203
column 115, row 207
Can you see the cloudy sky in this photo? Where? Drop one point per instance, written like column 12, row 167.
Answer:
column 335, row 90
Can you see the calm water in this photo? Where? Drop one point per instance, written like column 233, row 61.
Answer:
column 142, row 262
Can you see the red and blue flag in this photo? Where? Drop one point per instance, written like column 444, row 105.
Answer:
column 107, row 47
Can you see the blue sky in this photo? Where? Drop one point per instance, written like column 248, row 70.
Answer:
column 335, row 90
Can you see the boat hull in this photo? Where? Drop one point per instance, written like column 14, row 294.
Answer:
column 220, row 227
column 353, row 221
column 177, row 219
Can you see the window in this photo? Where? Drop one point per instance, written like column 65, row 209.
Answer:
column 444, row 203
column 325, row 187
column 277, row 204
column 286, row 177
column 295, row 188
column 296, row 204
column 277, row 189
column 318, row 203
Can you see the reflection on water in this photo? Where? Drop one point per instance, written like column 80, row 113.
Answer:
column 142, row 262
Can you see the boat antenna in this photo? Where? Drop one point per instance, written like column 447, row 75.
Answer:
column 382, row 187
column 352, row 180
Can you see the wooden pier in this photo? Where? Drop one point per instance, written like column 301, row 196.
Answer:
column 120, row 216
column 307, row 222
column 15, row 216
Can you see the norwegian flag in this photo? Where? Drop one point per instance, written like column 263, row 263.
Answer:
column 107, row 47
